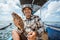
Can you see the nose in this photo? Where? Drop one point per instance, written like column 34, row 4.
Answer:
column 27, row 10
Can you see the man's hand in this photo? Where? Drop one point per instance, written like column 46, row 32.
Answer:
column 32, row 36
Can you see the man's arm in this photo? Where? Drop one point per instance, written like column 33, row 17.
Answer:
column 40, row 27
column 15, row 35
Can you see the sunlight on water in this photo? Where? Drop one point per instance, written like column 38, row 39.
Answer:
column 6, row 33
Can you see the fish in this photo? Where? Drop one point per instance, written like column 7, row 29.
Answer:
column 18, row 20
column 20, row 23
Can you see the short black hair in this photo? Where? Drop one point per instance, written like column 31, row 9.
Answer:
column 26, row 7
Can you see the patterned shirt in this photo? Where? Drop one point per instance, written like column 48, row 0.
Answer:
column 34, row 24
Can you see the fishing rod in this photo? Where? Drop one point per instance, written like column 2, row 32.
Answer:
column 6, row 26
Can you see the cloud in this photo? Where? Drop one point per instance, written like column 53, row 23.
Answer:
column 50, row 13
column 53, row 6
column 7, row 7
column 4, row 7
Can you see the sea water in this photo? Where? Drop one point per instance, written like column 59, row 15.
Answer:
column 5, row 34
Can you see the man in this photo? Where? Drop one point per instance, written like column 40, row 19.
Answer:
column 32, row 26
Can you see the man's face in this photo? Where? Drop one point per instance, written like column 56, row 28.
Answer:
column 27, row 12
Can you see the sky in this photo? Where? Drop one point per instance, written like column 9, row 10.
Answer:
column 51, row 11
column 9, row 6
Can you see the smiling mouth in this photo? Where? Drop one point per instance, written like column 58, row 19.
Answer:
column 27, row 12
